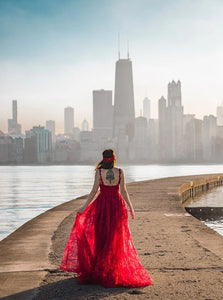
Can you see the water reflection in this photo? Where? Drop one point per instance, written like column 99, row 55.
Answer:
column 213, row 198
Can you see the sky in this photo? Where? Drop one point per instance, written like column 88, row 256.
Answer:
column 54, row 53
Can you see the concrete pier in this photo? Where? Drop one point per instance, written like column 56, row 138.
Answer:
column 182, row 255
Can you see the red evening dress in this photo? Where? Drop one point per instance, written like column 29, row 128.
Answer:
column 100, row 248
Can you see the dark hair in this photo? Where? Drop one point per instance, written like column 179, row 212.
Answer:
column 107, row 164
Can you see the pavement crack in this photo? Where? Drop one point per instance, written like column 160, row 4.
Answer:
column 189, row 269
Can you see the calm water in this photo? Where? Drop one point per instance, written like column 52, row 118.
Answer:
column 214, row 198
column 27, row 191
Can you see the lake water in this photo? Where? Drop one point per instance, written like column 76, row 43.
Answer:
column 214, row 198
column 27, row 191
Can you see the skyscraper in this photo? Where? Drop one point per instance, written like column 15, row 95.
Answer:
column 85, row 125
column 140, row 139
column 147, row 108
column 68, row 120
column 174, row 121
column 13, row 126
column 162, row 113
column 50, row 125
column 38, row 145
column 102, row 113
column 220, row 116
column 124, row 109
column 209, row 132
column 14, row 110
column 102, row 118
column 192, row 138
column 174, row 93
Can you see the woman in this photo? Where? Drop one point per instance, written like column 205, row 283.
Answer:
column 100, row 248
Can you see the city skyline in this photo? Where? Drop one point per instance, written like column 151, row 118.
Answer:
column 62, row 130
column 51, row 50
column 174, row 137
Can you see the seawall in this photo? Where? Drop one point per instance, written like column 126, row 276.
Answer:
column 182, row 255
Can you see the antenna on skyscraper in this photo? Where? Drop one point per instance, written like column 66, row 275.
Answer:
column 128, row 49
column 118, row 45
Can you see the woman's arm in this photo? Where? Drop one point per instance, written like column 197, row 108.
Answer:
column 125, row 194
column 92, row 193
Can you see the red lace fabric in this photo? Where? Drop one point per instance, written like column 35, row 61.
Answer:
column 100, row 248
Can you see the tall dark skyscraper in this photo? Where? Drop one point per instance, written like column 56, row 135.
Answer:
column 124, row 109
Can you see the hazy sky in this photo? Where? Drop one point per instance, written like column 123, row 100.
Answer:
column 53, row 53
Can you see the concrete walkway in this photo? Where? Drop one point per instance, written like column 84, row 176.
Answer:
column 182, row 255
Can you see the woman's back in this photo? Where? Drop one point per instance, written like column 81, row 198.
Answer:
column 110, row 177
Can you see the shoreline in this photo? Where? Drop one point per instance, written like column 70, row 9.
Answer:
column 173, row 246
column 123, row 164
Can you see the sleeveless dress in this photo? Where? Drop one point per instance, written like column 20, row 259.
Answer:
column 100, row 248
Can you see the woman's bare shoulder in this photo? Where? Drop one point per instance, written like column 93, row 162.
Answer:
column 117, row 169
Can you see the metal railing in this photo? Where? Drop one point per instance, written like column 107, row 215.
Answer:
column 197, row 187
